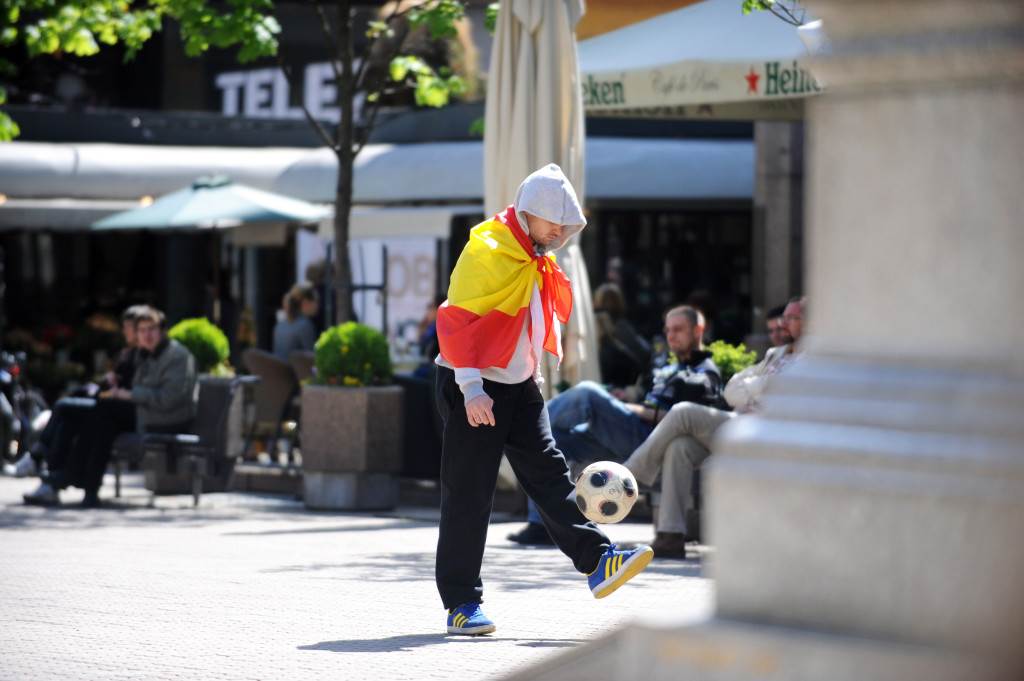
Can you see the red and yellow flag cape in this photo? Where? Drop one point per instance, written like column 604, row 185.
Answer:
column 489, row 296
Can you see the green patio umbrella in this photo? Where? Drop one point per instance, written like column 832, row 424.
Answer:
column 214, row 203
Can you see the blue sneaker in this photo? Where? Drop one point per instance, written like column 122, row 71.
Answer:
column 470, row 620
column 616, row 568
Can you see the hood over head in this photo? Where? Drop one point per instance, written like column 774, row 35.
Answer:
column 547, row 193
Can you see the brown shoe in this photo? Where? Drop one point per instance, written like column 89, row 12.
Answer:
column 669, row 545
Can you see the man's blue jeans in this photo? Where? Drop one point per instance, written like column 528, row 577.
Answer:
column 588, row 425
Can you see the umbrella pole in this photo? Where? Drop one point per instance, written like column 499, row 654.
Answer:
column 216, row 245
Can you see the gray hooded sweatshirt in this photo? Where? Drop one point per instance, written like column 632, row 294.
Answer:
column 547, row 194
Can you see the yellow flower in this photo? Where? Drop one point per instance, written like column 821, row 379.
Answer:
column 351, row 380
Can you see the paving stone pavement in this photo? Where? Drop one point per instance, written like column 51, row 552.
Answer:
column 256, row 587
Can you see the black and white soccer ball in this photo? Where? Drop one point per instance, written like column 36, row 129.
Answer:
column 606, row 492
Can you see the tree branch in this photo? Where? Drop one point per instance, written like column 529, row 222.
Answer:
column 364, row 134
column 395, row 14
column 329, row 40
column 317, row 127
column 789, row 17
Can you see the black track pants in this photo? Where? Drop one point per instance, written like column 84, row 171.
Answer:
column 469, row 472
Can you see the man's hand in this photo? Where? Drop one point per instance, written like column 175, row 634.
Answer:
column 116, row 394
column 478, row 411
column 646, row 413
column 637, row 409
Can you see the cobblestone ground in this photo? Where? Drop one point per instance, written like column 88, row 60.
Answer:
column 256, row 587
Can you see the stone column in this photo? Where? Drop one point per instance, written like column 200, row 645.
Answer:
column 882, row 492
column 778, row 216
column 870, row 522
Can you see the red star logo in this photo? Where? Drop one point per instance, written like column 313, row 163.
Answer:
column 752, row 79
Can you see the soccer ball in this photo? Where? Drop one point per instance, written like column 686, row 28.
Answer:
column 606, row 492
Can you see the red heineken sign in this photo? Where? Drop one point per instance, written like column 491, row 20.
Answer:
column 778, row 80
column 762, row 87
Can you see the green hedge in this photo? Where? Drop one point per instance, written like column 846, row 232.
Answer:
column 731, row 359
column 352, row 354
column 206, row 342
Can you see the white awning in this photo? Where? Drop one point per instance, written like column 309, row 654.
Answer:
column 130, row 171
column 72, row 185
column 59, row 214
column 376, row 222
column 706, row 60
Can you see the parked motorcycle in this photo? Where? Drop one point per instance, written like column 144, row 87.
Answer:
column 20, row 407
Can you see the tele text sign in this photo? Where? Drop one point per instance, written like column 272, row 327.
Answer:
column 265, row 93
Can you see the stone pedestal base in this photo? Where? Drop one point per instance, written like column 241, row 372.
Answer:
column 876, row 499
column 349, row 491
column 719, row 650
column 159, row 480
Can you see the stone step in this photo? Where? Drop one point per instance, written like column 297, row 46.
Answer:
column 720, row 650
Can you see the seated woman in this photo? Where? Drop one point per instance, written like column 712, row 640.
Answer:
column 296, row 330
column 161, row 400
column 623, row 355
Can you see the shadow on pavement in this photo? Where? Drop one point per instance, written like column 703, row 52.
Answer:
column 550, row 643
column 394, row 644
column 512, row 569
column 366, row 527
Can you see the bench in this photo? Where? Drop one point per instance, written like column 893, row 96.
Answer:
column 204, row 446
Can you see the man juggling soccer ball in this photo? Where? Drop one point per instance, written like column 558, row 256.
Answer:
column 506, row 299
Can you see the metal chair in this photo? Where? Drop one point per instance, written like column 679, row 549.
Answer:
column 273, row 396
column 303, row 363
column 204, row 446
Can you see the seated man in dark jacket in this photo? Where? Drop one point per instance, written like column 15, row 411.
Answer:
column 57, row 439
column 589, row 424
column 161, row 400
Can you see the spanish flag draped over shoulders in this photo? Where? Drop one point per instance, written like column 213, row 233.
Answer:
column 489, row 296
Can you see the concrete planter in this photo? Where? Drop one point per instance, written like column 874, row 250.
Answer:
column 351, row 446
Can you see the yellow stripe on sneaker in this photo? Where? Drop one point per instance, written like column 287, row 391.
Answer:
column 640, row 561
column 460, row 619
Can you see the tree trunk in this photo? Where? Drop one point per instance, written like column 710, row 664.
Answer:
column 343, row 149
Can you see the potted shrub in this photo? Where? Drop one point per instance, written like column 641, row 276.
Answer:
column 206, row 342
column 209, row 348
column 352, row 420
column 731, row 359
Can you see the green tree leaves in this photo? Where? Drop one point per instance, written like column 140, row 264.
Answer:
column 82, row 27
column 789, row 11
column 430, row 88
column 491, row 17
column 439, row 17
column 8, row 128
column 756, row 5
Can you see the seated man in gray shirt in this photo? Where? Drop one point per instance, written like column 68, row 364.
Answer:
column 161, row 400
